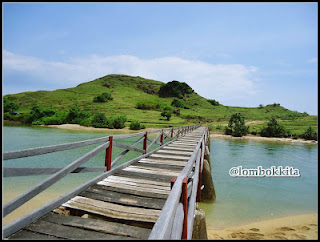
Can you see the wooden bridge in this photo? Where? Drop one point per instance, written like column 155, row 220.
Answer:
column 150, row 197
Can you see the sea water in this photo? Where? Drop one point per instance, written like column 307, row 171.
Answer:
column 241, row 200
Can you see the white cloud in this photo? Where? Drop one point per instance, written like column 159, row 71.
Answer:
column 313, row 60
column 221, row 82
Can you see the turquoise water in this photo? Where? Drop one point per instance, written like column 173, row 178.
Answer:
column 243, row 200
column 239, row 200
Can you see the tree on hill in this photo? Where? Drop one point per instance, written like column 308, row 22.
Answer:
column 274, row 129
column 175, row 89
column 236, row 126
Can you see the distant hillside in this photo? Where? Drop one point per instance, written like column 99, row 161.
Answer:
column 129, row 91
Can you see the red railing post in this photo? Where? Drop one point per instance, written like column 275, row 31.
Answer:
column 161, row 138
column 173, row 180
column 109, row 154
column 171, row 133
column 185, row 208
column 145, row 142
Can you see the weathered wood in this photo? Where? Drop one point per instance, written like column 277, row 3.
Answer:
column 127, row 147
column 49, row 149
column 132, row 189
column 13, row 171
column 116, row 160
column 135, row 183
column 17, row 202
column 99, row 225
column 169, row 157
column 122, row 198
column 26, row 234
column 113, row 210
column 177, row 226
column 167, row 166
column 137, row 180
column 178, row 148
column 150, row 160
column 135, row 174
column 152, row 143
column 175, row 152
column 68, row 232
column 151, row 171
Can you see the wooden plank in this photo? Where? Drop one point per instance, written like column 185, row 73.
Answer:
column 17, row 202
column 155, row 177
column 99, row 225
column 145, row 181
column 68, row 232
column 113, row 210
column 175, row 152
column 150, row 171
column 131, row 190
column 135, row 183
column 167, row 166
column 165, row 162
column 179, row 148
column 172, row 157
column 136, row 190
column 29, row 235
column 124, row 199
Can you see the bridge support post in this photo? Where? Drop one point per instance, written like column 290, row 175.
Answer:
column 145, row 142
column 108, row 156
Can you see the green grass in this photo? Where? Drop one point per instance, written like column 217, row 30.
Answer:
column 127, row 91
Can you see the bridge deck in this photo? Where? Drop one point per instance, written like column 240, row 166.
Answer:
column 125, row 205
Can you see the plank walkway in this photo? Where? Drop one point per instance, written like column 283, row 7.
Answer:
column 125, row 205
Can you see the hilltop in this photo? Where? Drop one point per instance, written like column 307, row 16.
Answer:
column 130, row 92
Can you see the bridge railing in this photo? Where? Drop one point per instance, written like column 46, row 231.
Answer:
column 108, row 143
column 177, row 216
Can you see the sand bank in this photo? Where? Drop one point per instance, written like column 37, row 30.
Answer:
column 259, row 138
column 292, row 227
column 79, row 127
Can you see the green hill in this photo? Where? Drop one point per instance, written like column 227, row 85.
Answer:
column 128, row 91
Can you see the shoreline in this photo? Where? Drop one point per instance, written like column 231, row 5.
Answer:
column 262, row 139
column 291, row 227
column 218, row 135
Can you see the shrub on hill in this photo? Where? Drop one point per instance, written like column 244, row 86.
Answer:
column 274, row 129
column 9, row 106
column 236, row 126
column 167, row 113
column 118, row 122
column 136, row 125
column 175, row 89
column 99, row 121
column 75, row 115
column 310, row 134
column 102, row 98
column 213, row 102
column 177, row 103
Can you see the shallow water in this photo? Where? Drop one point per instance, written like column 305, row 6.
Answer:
column 239, row 200
column 243, row 200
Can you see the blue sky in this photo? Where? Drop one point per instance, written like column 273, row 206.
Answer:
column 241, row 54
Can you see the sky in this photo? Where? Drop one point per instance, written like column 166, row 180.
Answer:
column 240, row 54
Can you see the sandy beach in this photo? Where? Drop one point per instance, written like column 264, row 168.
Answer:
column 262, row 139
column 292, row 227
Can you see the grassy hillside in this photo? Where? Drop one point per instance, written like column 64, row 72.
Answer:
column 128, row 91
